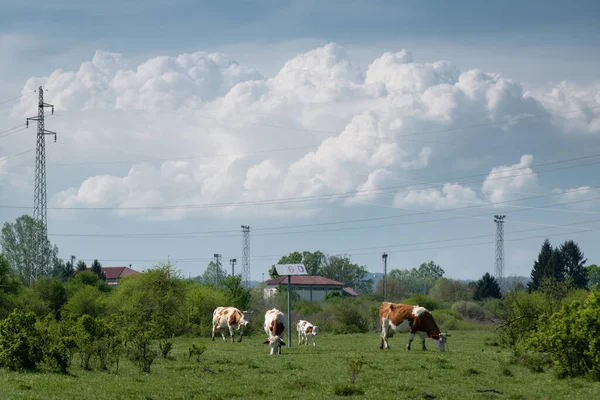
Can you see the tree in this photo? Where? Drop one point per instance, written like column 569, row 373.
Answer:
column 18, row 245
column 556, row 266
column 450, row 290
column 9, row 286
column 97, row 269
column 340, row 268
column 237, row 295
column 311, row 261
column 431, row 270
column 51, row 291
column 593, row 273
column 213, row 275
column 487, row 287
column 395, row 290
column 411, row 279
column 273, row 272
column 540, row 266
column 573, row 264
column 81, row 266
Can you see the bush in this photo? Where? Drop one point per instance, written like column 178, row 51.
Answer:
column 98, row 341
column 58, row 345
column 87, row 300
column 495, row 307
column 201, row 302
column 166, row 346
column 468, row 309
column 423, row 301
column 572, row 338
column 141, row 352
column 521, row 311
column 20, row 342
column 196, row 351
column 350, row 319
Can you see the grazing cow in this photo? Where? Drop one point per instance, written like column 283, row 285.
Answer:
column 274, row 328
column 306, row 329
column 405, row 318
column 231, row 318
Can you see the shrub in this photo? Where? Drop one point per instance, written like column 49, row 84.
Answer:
column 98, row 341
column 350, row 319
column 572, row 338
column 20, row 342
column 495, row 307
column 468, row 309
column 58, row 344
column 141, row 352
column 196, row 351
column 166, row 347
column 201, row 302
column 521, row 312
column 423, row 301
column 87, row 300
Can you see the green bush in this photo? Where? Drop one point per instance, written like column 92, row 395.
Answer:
column 141, row 352
column 572, row 338
column 201, row 302
column 521, row 313
column 350, row 319
column 495, row 307
column 423, row 301
column 87, row 300
column 20, row 342
column 468, row 309
column 97, row 341
column 58, row 344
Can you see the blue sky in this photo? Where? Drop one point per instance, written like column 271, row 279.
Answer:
column 307, row 74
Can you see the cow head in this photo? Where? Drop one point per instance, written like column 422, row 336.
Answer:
column 275, row 343
column 246, row 318
column 315, row 330
column 440, row 342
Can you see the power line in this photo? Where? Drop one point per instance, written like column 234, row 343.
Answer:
column 17, row 97
column 211, row 234
column 331, row 196
column 11, row 129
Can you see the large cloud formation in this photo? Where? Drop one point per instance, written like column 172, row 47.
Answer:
column 319, row 126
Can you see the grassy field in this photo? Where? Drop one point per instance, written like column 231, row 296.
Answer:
column 473, row 368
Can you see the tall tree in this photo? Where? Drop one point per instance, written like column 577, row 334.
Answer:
column 574, row 262
column 18, row 246
column 81, row 266
column 313, row 261
column 213, row 275
column 97, row 269
column 487, row 287
column 273, row 272
column 556, row 266
column 340, row 268
column 431, row 270
column 540, row 266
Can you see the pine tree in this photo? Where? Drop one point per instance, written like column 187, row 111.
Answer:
column 573, row 263
column 540, row 266
column 81, row 266
column 556, row 266
column 487, row 287
column 97, row 269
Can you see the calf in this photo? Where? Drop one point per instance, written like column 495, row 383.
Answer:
column 230, row 318
column 274, row 327
column 306, row 329
column 405, row 318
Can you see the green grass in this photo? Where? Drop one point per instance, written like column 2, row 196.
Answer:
column 474, row 368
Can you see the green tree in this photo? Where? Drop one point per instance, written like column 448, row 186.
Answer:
column 52, row 291
column 593, row 273
column 574, row 261
column 9, row 287
column 556, row 265
column 62, row 270
column 81, row 266
column 412, row 280
column 273, row 272
column 540, row 266
column 312, row 261
column 431, row 270
column 97, row 269
column 450, row 290
column 487, row 288
column 214, row 275
column 395, row 290
column 87, row 300
column 236, row 294
column 340, row 268
column 18, row 246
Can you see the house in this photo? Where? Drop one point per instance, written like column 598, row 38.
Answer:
column 309, row 287
column 114, row 273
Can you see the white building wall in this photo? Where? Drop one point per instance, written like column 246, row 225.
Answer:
column 318, row 293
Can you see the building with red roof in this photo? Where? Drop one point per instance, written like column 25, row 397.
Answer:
column 113, row 274
column 309, row 287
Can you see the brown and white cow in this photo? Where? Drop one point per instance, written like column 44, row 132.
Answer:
column 274, row 328
column 305, row 330
column 408, row 318
column 229, row 318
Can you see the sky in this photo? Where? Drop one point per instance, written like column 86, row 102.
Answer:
column 348, row 127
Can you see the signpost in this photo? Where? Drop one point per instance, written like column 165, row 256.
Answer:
column 289, row 270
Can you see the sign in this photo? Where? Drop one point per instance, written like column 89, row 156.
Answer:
column 290, row 269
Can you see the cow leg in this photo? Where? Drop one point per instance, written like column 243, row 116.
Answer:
column 410, row 339
column 384, row 336
column 313, row 338
column 213, row 333
column 423, row 337
column 232, row 334
column 223, row 335
column 241, row 334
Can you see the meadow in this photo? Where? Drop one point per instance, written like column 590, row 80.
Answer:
column 474, row 367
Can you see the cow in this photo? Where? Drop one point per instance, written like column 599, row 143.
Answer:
column 306, row 329
column 274, row 328
column 405, row 318
column 231, row 318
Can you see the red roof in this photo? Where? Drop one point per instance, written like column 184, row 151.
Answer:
column 350, row 292
column 118, row 272
column 304, row 280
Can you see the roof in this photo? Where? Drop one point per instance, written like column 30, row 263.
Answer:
column 350, row 292
column 118, row 272
column 304, row 280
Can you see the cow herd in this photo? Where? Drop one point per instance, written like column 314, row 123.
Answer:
column 392, row 316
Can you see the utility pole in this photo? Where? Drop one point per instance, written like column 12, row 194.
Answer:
column 499, row 269
column 246, row 255
column 232, row 261
column 217, row 258
column 39, row 197
column 384, row 257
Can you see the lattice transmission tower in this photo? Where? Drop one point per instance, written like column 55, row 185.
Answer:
column 499, row 269
column 246, row 255
column 42, row 251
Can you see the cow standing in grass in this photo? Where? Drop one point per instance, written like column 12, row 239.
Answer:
column 229, row 318
column 274, row 328
column 408, row 318
column 305, row 330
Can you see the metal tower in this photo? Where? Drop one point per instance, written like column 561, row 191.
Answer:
column 499, row 270
column 246, row 255
column 232, row 261
column 384, row 257
column 39, row 199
